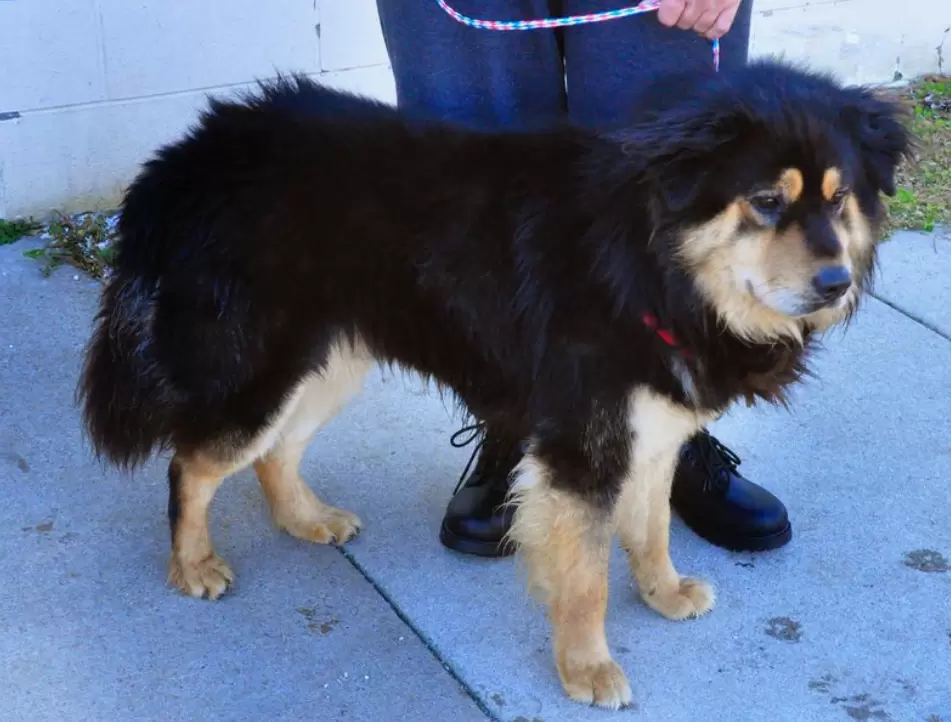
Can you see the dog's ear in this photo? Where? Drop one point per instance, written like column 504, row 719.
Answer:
column 679, row 182
column 675, row 154
column 878, row 126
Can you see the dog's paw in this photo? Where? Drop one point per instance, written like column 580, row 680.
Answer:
column 326, row 525
column 602, row 684
column 205, row 579
column 690, row 598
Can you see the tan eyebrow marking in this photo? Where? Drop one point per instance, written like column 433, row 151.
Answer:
column 831, row 182
column 791, row 184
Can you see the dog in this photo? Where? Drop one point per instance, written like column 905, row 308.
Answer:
column 602, row 296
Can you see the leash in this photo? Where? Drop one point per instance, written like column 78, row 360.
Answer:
column 646, row 6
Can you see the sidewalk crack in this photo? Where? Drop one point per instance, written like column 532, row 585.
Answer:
column 427, row 642
column 917, row 319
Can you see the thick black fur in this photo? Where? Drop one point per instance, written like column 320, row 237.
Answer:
column 514, row 268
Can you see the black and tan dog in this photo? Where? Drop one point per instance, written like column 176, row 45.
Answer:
column 600, row 296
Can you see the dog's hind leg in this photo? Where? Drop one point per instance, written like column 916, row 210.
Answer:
column 565, row 542
column 194, row 567
column 275, row 452
column 642, row 514
column 294, row 507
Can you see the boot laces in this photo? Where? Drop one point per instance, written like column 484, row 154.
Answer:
column 718, row 461
column 474, row 432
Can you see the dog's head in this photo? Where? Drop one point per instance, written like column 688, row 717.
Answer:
column 765, row 190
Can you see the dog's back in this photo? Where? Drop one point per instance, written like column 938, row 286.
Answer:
column 241, row 208
column 293, row 215
column 283, row 220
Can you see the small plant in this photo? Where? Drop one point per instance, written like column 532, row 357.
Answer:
column 84, row 241
column 923, row 200
column 14, row 230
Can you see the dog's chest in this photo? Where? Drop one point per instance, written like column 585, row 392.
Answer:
column 660, row 425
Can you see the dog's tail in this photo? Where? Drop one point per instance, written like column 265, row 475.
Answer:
column 127, row 402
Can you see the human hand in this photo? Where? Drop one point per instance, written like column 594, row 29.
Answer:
column 710, row 18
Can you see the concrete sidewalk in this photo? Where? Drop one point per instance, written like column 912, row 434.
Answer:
column 852, row 620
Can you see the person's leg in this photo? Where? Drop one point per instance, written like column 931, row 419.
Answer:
column 609, row 64
column 607, row 67
column 489, row 80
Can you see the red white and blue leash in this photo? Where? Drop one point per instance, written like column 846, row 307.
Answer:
column 646, row 6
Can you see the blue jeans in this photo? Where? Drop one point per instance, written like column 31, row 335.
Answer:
column 517, row 80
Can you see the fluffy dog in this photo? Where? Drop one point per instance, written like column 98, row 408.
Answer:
column 602, row 296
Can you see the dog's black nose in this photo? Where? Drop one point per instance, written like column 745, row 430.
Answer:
column 832, row 282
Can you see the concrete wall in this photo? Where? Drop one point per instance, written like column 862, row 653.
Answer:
column 89, row 87
column 862, row 41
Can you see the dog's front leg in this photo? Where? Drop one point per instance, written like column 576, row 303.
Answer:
column 642, row 514
column 564, row 541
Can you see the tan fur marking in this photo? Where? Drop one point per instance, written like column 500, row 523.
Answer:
column 317, row 399
column 759, row 281
column 710, row 237
column 565, row 545
column 791, row 184
column 831, row 182
column 294, row 507
column 723, row 262
column 788, row 259
column 276, row 453
column 642, row 515
column 194, row 567
column 860, row 237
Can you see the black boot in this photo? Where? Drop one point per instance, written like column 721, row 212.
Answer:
column 476, row 520
column 722, row 506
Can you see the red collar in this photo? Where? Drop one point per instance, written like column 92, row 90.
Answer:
column 667, row 336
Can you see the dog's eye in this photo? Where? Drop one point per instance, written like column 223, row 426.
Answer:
column 838, row 198
column 768, row 203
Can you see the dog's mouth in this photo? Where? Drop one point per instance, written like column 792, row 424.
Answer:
column 797, row 305
column 817, row 303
